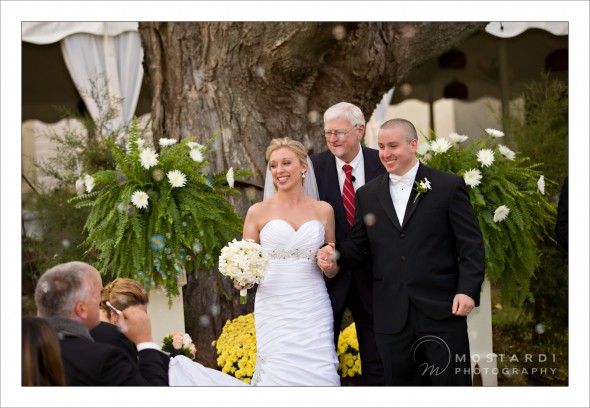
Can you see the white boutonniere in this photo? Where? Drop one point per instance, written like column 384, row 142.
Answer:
column 422, row 187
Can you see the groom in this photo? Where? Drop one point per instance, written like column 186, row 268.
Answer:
column 344, row 127
column 428, row 263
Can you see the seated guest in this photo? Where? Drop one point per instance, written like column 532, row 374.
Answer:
column 68, row 296
column 120, row 293
column 124, row 293
column 41, row 356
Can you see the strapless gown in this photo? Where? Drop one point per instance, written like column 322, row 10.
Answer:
column 292, row 311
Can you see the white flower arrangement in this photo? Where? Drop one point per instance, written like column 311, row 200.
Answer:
column 245, row 262
column 158, row 216
column 507, row 194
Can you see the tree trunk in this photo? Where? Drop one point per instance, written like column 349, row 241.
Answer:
column 257, row 81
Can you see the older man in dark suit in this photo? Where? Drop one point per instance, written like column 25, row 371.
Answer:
column 339, row 171
column 68, row 297
column 418, row 227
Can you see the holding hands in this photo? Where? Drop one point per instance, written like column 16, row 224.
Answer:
column 326, row 259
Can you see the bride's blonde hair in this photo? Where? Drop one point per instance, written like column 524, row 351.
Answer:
column 295, row 146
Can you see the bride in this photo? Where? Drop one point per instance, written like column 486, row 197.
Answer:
column 292, row 312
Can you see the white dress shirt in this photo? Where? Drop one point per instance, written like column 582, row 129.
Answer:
column 400, row 193
column 358, row 171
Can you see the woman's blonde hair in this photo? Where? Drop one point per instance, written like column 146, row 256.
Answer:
column 295, row 146
column 122, row 293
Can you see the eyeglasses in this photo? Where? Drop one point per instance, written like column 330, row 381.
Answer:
column 340, row 134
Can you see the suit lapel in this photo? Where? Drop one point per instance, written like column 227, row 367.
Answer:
column 333, row 193
column 384, row 197
column 411, row 205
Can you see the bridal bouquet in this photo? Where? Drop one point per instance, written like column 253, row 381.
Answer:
column 245, row 262
column 179, row 344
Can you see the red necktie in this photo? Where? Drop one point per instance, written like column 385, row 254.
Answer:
column 348, row 194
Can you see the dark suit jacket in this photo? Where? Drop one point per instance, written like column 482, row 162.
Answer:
column 108, row 333
column 437, row 252
column 324, row 165
column 90, row 363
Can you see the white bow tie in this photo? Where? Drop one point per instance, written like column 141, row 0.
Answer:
column 399, row 179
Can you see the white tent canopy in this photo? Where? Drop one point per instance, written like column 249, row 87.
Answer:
column 94, row 52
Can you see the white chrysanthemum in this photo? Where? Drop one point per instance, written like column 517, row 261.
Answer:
column 230, row 177
column 423, row 148
column 167, row 142
column 89, row 183
column 80, row 186
column 440, row 145
column 541, row 185
column 148, row 157
column 196, row 155
column 501, row 213
column 472, row 177
column 193, row 145
column 456, row 138
column 485, row 157
column 494, row 132
column 139, row 199
column 506, row 152
column 176, row 178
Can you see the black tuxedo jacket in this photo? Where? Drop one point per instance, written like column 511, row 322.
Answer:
column 324, row 165
column 436, row 253
column 90, row 363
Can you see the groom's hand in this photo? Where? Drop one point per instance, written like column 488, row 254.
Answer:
column 326, row 260
column 462, row 304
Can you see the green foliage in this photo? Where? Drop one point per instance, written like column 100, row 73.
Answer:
column 156, row 242
column 543, row 134
column 540, row 128
column 511, row 244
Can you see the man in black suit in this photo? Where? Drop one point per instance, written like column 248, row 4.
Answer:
column 344, row 127
column 68, row 296
column 421, row 232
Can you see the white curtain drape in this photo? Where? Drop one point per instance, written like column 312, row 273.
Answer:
column 377, row 119
column 114, row 62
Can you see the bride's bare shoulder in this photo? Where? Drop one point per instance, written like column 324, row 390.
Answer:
column 259, row 209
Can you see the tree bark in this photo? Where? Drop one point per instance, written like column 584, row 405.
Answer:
column 257, row 81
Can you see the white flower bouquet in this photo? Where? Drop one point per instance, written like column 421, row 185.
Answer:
column 245, row 262
column 179, row 344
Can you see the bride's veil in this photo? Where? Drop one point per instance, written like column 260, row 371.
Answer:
column 310, row 185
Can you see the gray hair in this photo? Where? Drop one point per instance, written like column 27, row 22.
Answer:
column 407, row 127
column 344, row 109
column 60, row 287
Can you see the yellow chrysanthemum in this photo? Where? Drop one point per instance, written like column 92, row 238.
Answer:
column 236, row 347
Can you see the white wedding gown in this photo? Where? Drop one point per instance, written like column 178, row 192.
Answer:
column 183, row 371
column 292, row 312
